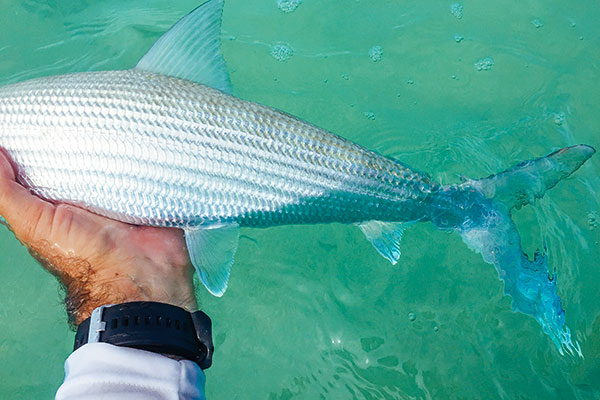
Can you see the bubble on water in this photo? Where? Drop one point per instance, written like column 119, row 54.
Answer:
column 375, row 53
column 281, row 52
column 288, row 6
column 370, row 115
column 345, row 77
column 537, row 23
column 436, row 328
column 453, row 76
column 593, row 220
column 485, row 64
column 457, row 10
column 559, row 118
column 411, row 316
column 458, row 38
column 410, row 82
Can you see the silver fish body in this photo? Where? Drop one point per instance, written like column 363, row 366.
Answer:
column 150, row 149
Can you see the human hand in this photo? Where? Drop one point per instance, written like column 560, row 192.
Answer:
column 98, row 260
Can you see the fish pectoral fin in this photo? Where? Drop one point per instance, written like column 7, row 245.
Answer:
column 385, row 237
column 211, row 250
column 191, row 49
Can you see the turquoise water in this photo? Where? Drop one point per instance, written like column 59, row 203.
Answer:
column 313, row 311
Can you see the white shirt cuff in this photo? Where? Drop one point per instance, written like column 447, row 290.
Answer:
column 104, row 371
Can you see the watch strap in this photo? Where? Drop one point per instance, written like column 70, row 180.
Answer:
column 156, row 327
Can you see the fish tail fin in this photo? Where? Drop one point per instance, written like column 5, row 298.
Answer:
column 525, row 182
column 484, row 208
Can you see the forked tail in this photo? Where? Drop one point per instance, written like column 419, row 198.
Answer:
column 483, row 208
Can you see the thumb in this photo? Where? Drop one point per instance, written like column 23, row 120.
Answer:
column 29, row 216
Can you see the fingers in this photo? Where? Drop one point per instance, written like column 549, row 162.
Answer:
column 6, row 169
column 29, row 216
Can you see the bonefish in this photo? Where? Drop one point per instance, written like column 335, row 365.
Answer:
column 166, row 144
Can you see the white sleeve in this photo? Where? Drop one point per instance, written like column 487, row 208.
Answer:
column 103, row 371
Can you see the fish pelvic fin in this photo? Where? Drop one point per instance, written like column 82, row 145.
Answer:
column 191, row 49
column 212, row 249
column 484, row 208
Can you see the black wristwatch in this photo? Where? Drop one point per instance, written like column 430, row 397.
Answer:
column 156, row 327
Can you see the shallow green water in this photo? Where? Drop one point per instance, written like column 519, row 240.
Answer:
column 312, row 311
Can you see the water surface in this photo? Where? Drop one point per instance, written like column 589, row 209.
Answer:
column 454, row 89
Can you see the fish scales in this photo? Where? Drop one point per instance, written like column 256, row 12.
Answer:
column 151, row 149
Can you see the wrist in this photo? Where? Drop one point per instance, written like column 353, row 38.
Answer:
column 107, row 286
column 113, row 276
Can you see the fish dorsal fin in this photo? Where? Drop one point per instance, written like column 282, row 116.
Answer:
column 385, row 237
column 211, row 250
column 191, row 49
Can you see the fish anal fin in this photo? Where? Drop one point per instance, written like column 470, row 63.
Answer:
column 385, row 237
column 212, row 249
column 191, row 49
